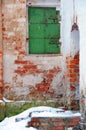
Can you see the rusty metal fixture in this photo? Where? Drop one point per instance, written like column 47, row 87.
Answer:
column 74, row 27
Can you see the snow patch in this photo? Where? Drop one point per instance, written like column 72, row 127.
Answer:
column 19, row 122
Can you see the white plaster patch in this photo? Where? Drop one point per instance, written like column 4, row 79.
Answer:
column 32, row 80
column 21, row 90
column 21, row 20
column 11, row 34
column 74, row 44
column 11, row 6
column 8, row 65
column 47, row 62
column 57, row 81
column 66, row 24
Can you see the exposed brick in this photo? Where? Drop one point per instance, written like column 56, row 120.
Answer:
column 1, row 92
column 50, row 75
column 71, row 66
column 22, row 52
column 1, row 81
column 52, row 123
column 39, row 71
column 72, row 88
column 70, row 71
column 32, row 123
column 42, row 87
column 55, row 70
column 76, row 70
column 1, row 96
column 3, row 28
column 76, row 56
column 1, row 52
column 1, row 89
column 36, row 119
column 60, row 122
column 71, row 75
column 20, row 62
column 73, row 103
column 75, row 119
column 20, row 72
column 54, row 119
column 30, row 67
column 60, row 128
column 74, row 122
column 74, row 79
column 74, row 62
column 18, row 38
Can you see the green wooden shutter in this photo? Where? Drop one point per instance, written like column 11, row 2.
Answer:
column 44, row 31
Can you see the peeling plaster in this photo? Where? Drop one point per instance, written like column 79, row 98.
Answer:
column 38, row 76
column 31, row 80
column 8, row 67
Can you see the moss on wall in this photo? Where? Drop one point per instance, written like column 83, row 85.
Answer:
column 2, row 110
column 14, row 108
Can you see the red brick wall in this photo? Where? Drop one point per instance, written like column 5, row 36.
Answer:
column 52, row 123
column 42, row 88
column 21, row 69
column 73, row 76
column 26, row 76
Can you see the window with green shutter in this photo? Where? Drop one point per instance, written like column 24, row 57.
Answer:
column 44, row 30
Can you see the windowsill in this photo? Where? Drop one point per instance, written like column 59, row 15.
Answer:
column 44, row 55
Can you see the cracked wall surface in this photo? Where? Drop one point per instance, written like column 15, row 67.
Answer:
column 33, row 77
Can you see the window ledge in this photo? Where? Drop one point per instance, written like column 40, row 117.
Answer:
column 44, row 55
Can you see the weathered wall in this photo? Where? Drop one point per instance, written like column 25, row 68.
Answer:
column 14, row 39
column 33, row 77
column 1, row 53
column 73, row 76
column 82, row 26
column 27, row 77
column 70, row 49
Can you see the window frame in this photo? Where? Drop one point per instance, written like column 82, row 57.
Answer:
column 32, row 4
